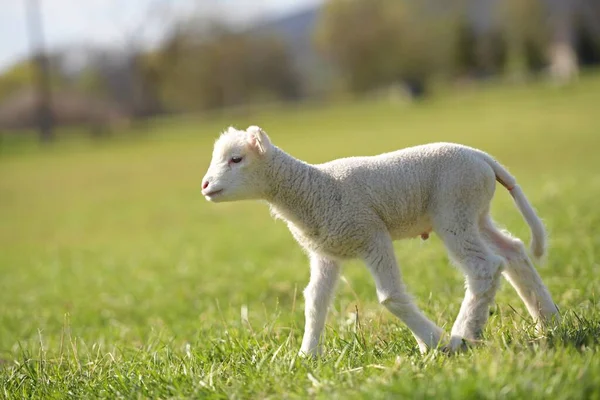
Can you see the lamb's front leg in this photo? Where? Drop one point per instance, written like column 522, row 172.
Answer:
column 324, row 274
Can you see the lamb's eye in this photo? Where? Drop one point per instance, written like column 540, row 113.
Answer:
column 236, row 160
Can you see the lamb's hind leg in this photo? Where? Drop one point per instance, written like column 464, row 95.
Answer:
column 521, row 273
column 392, row 293
column 482, row 271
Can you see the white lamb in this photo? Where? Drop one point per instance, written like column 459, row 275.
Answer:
column 355, row 207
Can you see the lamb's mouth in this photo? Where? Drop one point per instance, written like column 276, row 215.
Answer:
column 213, row 193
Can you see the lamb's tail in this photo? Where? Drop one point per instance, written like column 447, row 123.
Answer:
column 538, row 232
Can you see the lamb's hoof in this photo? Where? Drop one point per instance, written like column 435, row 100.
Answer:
column 550, row 322
column 311, row 354
column 458, row 344
column 423, row 348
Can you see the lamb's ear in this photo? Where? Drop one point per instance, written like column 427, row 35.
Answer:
column 258, row 139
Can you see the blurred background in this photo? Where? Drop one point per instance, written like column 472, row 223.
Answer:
column 105, row 64
column 108, row 114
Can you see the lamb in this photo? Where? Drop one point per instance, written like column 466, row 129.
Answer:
column 355, row 207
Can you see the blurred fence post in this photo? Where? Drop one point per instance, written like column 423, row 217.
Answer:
column 564, row 66
column 42, row 71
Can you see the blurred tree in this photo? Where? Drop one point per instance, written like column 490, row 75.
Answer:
column 380, row 42
column 466, row 58
column 90, row 82
column 491, row 53
column 220, row 68
column 19, row 77
column 527, row 33
column 586, row 27
column 15, row 79
column 478, row 53
column 271, row 71
column 587, row 45
column 79, row 98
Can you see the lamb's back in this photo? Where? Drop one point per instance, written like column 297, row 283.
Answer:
column 401, row 185
column 400, row 170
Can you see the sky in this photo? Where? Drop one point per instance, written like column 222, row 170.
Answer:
column 110, row 22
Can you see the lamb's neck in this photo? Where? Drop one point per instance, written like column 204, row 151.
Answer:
column 294, row 188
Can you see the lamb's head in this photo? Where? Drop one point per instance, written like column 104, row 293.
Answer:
column 236, row 171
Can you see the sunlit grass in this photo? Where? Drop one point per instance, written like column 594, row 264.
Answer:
column 120, row 280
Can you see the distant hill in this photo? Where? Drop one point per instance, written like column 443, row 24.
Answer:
column 296, row 28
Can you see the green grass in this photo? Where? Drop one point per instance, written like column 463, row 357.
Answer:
column 119, row 280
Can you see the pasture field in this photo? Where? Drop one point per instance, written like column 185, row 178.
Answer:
column 118, row 280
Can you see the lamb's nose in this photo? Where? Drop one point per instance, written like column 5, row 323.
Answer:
column 204, row 185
